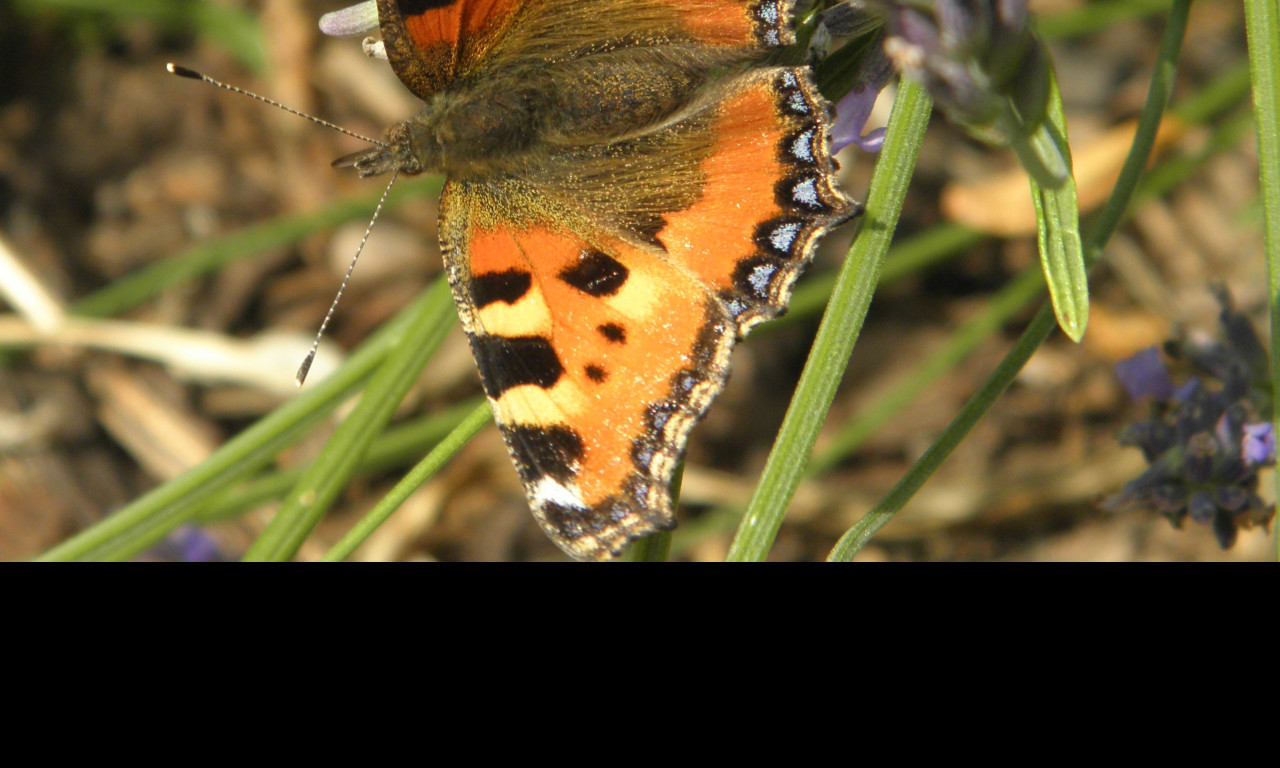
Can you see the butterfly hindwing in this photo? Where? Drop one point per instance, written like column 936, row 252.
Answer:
column 597, row 357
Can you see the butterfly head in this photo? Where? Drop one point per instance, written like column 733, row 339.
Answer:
column 396, row 152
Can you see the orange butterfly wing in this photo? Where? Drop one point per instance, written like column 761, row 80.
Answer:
column 676, row 189
column 599, row 347
column 431, row 43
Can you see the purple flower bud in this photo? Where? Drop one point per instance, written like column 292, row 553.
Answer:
column 1188, row 391
column 1240, row 334
column 963, row 25
column 1169, row 500
column 1231, row 498
column 979, row 59
column 1153, row 437
column 1259, row 444
column 1203, row 448
column 1229, row 430
column 1012, row 13
column 1145, row 374
column 851, row 118
column 358, row 19
column 186, row 544
column 1194, row 417
column 1202, row 451
column 197, row 546
column 1202, row 507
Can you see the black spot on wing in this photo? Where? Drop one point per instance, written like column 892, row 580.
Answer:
column 596, row 274
column 596, row 373
column 508, row 286
column 507, row 362
column 613, row 332
column 574, row 523
column 415, row 7
column 554, row 452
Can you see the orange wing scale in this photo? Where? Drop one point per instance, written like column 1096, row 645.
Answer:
column 769, row 194
column 453, row 20
column 718, row 23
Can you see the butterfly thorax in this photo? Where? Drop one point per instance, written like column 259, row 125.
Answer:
column 506, row 124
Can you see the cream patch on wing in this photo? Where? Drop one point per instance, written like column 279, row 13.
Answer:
column 532, row 405
column 528, row 316
column 638, row 297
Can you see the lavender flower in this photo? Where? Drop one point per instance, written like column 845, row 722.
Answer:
column 854, row 19
column 187, row 544
column 984, row 66
column 1205, row 444
column 1145, row 374
column 978, row 58
column 851, row 119
column 1259, row 444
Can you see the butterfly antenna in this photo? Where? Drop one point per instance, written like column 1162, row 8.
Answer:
column 194, row 75
column 324, row 324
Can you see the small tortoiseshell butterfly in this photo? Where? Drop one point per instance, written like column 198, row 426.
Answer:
column 632, row 185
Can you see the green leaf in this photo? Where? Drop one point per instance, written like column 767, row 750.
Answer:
column 1058, row 230
column 328, row 474
column 145, row 521
column 475, row 421
column 840, row 327
column 1262, row 23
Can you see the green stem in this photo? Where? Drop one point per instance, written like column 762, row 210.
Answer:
column 1263, row 28
column 145, row 521
column 1008, row 302
column 398, row 447
column 327, row 475
column 424, row 470
column 840, row 327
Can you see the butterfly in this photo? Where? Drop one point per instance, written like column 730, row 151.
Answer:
column 631, row 186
